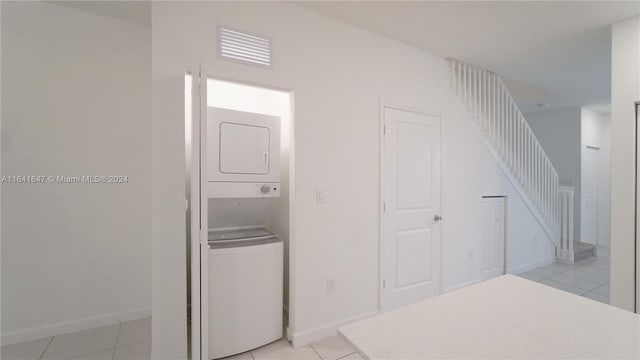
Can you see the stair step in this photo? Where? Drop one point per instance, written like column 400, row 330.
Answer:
column 583, row 250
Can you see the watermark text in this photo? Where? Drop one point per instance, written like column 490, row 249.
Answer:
column 64, row 179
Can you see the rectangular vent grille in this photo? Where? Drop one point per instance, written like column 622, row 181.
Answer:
column 246, row 48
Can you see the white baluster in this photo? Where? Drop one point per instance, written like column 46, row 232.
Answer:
column 460, row 77
column 493, row 107
column 454, row 79
column 485, row 96
column 497, row 115
column 521, row 146
column 508, row 130
column 474, row 93
column 480, row 99
column 485, row 91
column 565, row 216
column 500, row 111
column 464, row 84
column 570, row 239
column 483, row 83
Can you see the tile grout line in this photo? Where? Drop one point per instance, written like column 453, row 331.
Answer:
column 113, row 354
column 133, row 343
column 571, row 285
column 46, row 347
column 598, row 284
column 349, row 354
column 315, row 351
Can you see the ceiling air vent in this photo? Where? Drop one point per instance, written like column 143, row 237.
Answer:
column 240, row 46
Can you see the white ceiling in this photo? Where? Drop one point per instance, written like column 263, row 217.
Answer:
column 553, row 52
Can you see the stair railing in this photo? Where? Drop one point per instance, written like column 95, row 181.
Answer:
column 520, row 153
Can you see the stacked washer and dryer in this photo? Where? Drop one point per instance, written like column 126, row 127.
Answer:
column 245, row 263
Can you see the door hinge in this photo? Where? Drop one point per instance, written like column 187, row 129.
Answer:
column 384, row 284
column 384, row 207
column 384, row 130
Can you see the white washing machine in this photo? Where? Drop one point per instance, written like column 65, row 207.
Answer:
column 246, row 270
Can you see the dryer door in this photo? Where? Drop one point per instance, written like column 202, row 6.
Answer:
column 244, row 147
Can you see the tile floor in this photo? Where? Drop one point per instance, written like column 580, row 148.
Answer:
column 588, row 277
column 131, row 340
column 127, row 340
column 332, row 348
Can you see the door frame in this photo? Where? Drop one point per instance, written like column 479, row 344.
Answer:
column 199, row 259
column 381, row 194
column 636, row 262
column 198, row 217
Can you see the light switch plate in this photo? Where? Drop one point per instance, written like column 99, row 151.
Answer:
column 319, row 196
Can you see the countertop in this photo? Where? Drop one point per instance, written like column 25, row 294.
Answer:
column 506, row 317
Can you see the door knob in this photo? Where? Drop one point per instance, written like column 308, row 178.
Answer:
column 437, row 218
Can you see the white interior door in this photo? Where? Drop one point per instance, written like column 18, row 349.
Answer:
column 410, row 248
column 493, row 209
column 589, row 211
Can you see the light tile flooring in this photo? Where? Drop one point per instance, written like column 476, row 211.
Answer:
column 128, row 340
column 131, row 340
column 332, row 348
column 588, row 277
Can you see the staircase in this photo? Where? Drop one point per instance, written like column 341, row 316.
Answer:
column 514, row 146
column 583, row 250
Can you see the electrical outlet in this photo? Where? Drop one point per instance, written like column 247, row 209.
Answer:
column 331, row 285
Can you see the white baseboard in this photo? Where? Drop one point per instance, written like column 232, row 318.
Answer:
column 74, row 325
column 459, row 286
column 303, row 338
column 524, row 268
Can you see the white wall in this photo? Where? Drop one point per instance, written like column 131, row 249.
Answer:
column 596, row 131
column 338, row 74
column 625, row 90
column 559, row 133
column 76, row 102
